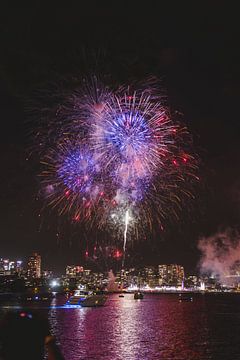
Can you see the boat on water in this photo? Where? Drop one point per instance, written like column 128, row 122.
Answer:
column 138, row 295
column 87, row 298
column 185, row 297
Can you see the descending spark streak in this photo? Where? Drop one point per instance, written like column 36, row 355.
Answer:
column 125, row 236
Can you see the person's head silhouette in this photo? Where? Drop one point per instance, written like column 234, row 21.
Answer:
column 22, row 336
column 25, row 335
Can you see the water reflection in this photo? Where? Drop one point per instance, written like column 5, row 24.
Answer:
column 157, row 327
column 127, row 323
column 154, row 328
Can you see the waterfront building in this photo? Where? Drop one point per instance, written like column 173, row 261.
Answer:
column 192, row 282
column 163, row 275
column 171, row 275
column 122, row 278
column 150, row 276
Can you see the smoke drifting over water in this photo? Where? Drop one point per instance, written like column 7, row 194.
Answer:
column 112, row 286
column 220, row 253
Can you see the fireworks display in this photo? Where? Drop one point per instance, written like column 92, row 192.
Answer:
column 116, row 158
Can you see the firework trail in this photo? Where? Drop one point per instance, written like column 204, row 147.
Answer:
column 125, row 236
column 109, row 155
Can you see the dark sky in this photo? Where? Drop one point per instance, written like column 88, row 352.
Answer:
column 193, row 50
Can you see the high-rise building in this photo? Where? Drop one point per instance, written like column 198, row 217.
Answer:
column 163, row 274
column 171, row 275
column 150, row 276
column 34, row 266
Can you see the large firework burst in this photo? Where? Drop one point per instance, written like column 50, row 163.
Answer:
column 117, row 157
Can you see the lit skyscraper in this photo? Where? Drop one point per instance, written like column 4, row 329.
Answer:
column 150, row 276
column 34, row 266
column 163, row 274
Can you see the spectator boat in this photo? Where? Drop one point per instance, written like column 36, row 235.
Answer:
column 87, row 298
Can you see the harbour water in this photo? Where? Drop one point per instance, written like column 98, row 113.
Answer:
column 157, row 327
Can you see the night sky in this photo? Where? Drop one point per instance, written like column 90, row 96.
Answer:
column 193, row 51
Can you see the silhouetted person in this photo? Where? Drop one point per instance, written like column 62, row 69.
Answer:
column 25, row 336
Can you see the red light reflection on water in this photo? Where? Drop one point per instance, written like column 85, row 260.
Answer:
column 157, row 327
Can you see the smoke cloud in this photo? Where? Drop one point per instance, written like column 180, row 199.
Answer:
column 112, row 286
column 220, row 253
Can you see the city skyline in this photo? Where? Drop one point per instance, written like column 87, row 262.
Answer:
column 15, row 277
column 34, row 266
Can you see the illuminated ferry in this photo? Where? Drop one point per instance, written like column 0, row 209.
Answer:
column 87, row 298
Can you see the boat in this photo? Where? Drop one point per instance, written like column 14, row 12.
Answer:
column 185, row 297
column 138, row 295
column 87, row 298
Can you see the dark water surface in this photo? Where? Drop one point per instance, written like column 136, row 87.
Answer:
column 157, row 327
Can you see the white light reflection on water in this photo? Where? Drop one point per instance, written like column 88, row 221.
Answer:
column 129, row 328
